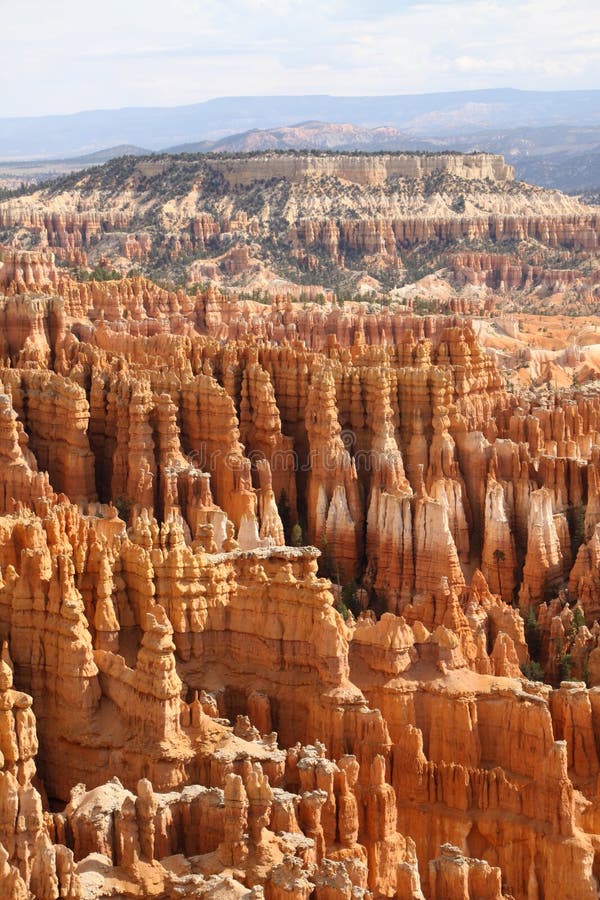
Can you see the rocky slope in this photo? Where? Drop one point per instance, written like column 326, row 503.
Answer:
column 273, row 582
column 299, row 222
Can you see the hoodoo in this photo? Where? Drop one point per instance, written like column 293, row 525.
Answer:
column 299, row 598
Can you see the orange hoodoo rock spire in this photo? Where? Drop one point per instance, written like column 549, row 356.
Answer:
column 212, row 717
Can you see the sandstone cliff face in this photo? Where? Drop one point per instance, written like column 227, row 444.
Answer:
column 264, row 738
column 31, row 862
column 20, row 481
column 22, row 271
column 383, row 238
column 502, row 272
column 362, row 170
column 334, row 508
column 498, row 555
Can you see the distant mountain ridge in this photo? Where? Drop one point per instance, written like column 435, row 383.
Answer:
column 566, row 157
column 562, row 157
column 443, row 114
column 313, row 135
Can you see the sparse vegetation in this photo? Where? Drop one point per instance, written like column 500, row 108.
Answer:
column 99, row 273
column 296, row 536
column 123, row 506
column 533, row 635
column 532, row 670
column 564, row 667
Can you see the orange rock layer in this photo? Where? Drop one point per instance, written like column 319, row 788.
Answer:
column 211, row 719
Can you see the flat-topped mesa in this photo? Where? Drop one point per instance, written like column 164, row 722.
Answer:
column 367, row 169
column 270, row 222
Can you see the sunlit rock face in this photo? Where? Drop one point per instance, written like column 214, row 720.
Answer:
column 266, row 604
column 304, row 224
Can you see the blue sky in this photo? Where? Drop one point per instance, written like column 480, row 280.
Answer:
column 68, row 55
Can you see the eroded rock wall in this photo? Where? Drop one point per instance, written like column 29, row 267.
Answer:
column 272, row 729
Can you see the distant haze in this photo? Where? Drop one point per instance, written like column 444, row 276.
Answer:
column 66, row 56
column 426, row 115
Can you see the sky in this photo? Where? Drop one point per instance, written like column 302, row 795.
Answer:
column 62, row 56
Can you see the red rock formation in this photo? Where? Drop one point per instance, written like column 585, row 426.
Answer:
column 347, row 235
column 261, row 434
column 334, row 509
column 498, row 556
column 545, row 563
column 455, row 877
column 261, row 742
column 505, row 273
column 20, row 481
column 30, row 863
column 57, row 420
column 22, row 271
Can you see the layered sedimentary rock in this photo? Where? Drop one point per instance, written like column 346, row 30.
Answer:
column 154, row 730
column 381, row 239
column 334, row 509
column 21, row 270
column 362, row 170
column 214, row 715
column 271, row 222
column 31, row 863
column 56, row 418
column 502, row 272
column 20, row 480
column 498, row 554
column 548, row 545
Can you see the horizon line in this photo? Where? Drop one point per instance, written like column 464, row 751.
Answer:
column 237, row 97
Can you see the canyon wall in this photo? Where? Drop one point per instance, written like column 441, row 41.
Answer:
column 272, row 602
column 368, row 169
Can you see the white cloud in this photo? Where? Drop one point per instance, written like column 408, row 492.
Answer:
column 69, row 55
